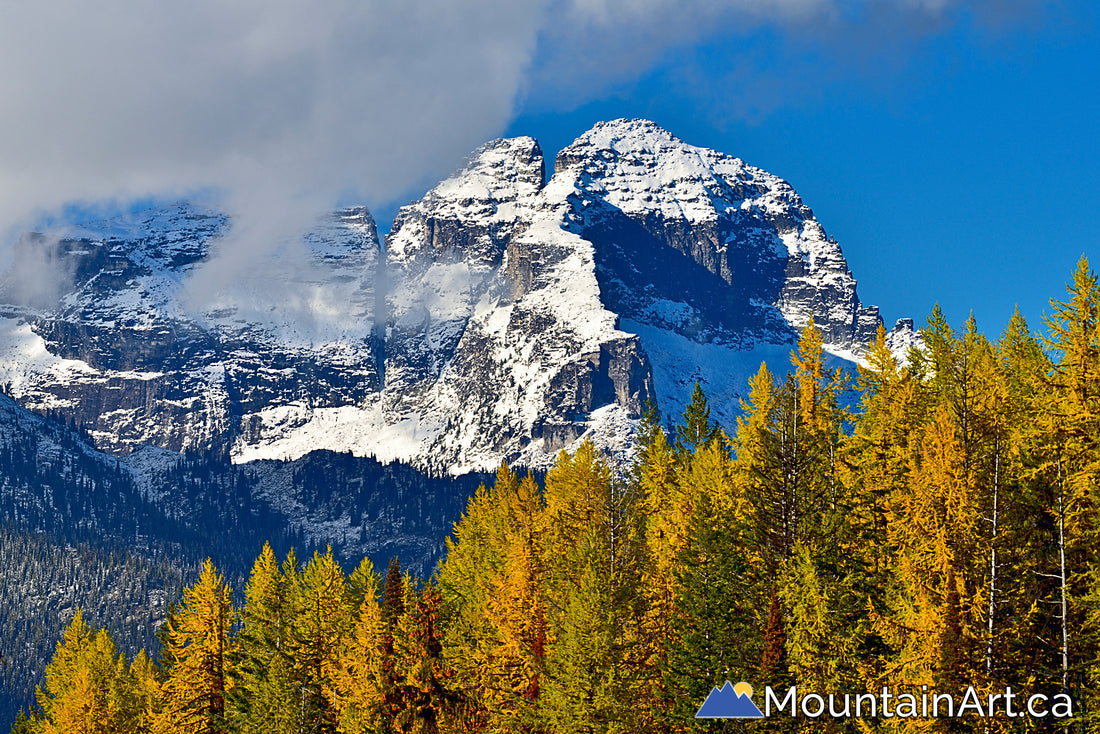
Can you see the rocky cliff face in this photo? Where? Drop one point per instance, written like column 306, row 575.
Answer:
column 124, row 354
column 496, row 331
column 715, row 264
column 508, row 316
column 702, row 244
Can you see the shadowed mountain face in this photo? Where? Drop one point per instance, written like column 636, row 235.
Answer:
column 689, row 231
column 508, row 317
column 641, row 273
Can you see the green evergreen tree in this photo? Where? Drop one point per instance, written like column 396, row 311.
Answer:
column 695, row 428
column 393, row 600
column 391, row 699
column 431, row 702
column 715, row 630
column 788, row 458
column 266, row 697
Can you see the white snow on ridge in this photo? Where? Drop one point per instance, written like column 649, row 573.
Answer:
column 642, row 170
column 481, row 332
column 292, row 431
column 25, row 362
column 723, row 372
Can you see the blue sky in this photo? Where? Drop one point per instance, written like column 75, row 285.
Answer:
column 948, row 145
column 963, row 170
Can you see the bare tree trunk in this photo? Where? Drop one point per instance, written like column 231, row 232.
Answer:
column 1062, row 575
column 993, row 560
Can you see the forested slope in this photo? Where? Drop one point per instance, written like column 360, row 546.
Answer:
column 940, row 537
column 82, row 529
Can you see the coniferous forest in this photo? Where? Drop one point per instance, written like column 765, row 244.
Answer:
column 938, row 531
column 77, row 531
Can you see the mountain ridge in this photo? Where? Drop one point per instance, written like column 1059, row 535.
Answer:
column 508, row 316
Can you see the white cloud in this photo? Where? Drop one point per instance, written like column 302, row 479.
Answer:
column 40, row 275
column 284, row 106
column 288, row 106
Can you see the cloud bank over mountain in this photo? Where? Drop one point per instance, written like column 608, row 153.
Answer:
column 282, row 110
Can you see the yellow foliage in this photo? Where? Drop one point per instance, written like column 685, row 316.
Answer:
column 197, row 643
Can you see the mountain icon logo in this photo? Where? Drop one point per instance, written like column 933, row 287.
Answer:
column 730, row 702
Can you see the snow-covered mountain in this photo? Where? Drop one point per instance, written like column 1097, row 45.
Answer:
column 507, row 317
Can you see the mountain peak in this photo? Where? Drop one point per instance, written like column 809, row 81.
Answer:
column 637, row 166
column 509, row 318
column 485, row 191
column 515, row 161
column 616, row 139
column 626, row 134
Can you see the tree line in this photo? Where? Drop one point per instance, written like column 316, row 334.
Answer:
column 939, row 534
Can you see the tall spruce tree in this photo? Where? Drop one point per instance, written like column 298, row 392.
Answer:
column 696, row 428
column 715, row 630
column 788, row 457
column 266, row 696
column 432, row 702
